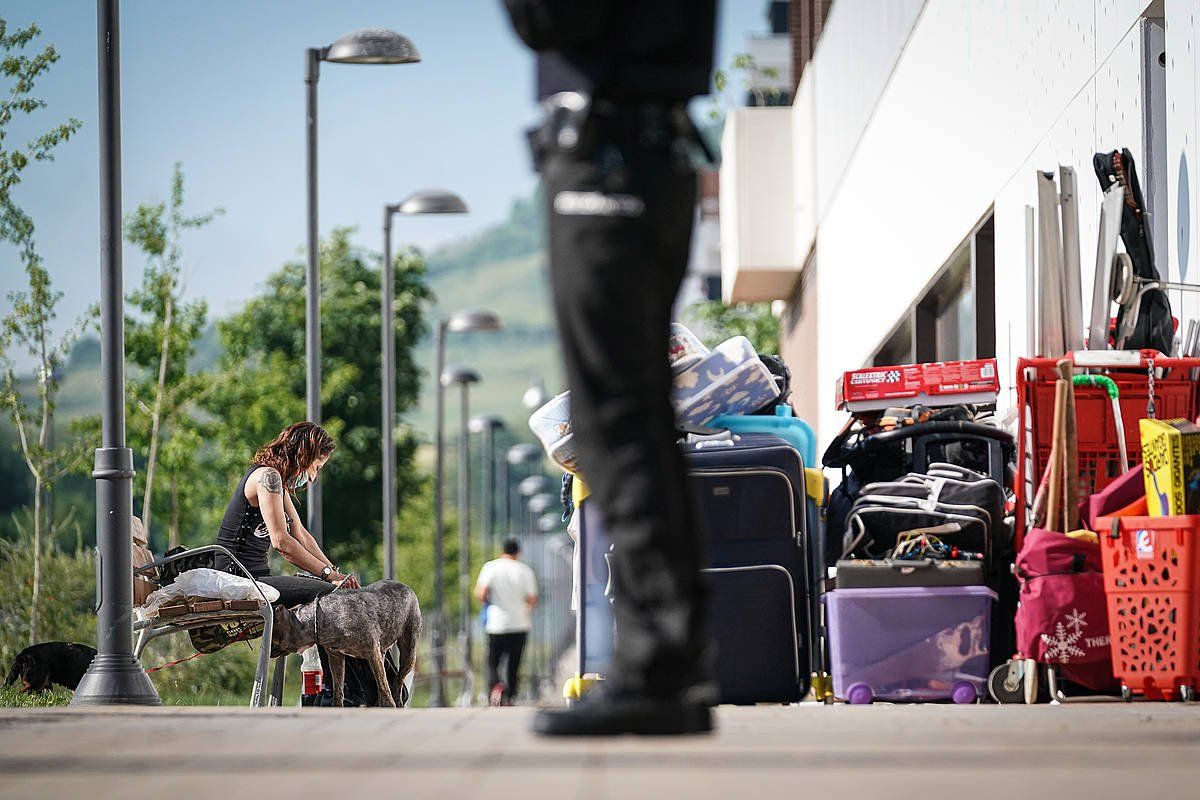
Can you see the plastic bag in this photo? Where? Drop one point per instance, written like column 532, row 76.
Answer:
column 211, row 583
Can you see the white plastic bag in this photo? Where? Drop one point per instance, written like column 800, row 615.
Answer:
column 213, row 583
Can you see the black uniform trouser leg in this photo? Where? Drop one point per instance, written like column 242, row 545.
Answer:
column 620, row 223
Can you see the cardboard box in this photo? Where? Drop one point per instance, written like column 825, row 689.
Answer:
column 1171, row 460
column 942, row 383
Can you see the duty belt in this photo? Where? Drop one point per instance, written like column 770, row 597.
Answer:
column 567, row 118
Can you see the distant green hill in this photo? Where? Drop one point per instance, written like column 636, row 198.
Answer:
column 502, row 269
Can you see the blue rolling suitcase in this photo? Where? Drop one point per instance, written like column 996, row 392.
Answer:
column 751, row 494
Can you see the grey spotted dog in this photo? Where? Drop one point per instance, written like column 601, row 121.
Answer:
column 362, row 623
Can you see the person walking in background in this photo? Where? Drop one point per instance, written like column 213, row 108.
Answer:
column 508, row 589
column 614, row 79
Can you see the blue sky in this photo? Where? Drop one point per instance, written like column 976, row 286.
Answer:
column 219, row 86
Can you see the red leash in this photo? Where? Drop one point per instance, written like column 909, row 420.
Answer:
column 241, row 637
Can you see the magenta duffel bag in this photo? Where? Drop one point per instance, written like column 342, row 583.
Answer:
column 1062, row 619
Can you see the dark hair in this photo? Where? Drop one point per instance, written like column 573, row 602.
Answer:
column 511, row 547
column 295, row 449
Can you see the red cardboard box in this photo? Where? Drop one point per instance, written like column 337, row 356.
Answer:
column 941, row 383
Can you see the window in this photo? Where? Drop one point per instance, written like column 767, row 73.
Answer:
column 955, row 316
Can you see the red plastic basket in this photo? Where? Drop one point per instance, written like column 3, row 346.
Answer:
column 1175, row 396
column 1152, row 585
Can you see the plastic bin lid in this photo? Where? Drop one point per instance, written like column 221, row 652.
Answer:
column 909, row 592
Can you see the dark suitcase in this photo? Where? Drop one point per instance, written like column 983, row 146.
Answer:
column 894, row 573
column 751, row 496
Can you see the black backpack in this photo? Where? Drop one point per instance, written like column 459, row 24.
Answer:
column 1155, row 328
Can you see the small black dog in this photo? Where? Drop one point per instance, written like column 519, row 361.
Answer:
column 40, row 665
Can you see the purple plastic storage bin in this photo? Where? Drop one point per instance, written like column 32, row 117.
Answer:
column 910, row 643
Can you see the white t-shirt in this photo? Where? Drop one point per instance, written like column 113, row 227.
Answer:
column 509, row 583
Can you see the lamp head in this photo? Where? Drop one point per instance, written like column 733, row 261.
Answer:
column 431, row 201
column 534, row 484
column 372, row 46
column 536, row 395
column 473, row 320
column 483, row 422
column 539, row 503
column 462, row 375
column 523, row 453
column 550, row 522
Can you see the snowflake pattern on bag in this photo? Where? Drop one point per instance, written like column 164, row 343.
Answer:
column 1063, row 644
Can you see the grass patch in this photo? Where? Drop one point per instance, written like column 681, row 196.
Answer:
column 15, row 697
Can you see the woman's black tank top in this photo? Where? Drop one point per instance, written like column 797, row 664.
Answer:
column 244, row 533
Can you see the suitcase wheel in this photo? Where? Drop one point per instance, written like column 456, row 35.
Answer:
column 963, row 693
column 1006, row 684
column 859, row 694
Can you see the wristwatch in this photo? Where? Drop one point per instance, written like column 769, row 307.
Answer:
column 325, row 573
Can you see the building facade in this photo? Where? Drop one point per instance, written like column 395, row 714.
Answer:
column 890, row 206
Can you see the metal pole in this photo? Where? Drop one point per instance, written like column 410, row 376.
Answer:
column 464, row 535
column 488, row 479
column 387, row 356
column 506, row 504
column 312, row 297
column 439, row 656
column 114, row 676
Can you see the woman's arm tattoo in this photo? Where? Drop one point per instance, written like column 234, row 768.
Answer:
column 271, row 481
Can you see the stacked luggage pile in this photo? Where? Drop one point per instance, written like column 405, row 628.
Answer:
column 951, row 562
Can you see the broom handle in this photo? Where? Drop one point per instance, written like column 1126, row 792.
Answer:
column 1070, row 451
column 1054, row 494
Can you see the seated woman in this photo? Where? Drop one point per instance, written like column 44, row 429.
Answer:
column 261, row 515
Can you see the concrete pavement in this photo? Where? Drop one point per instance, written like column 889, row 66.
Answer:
column 1138, row 751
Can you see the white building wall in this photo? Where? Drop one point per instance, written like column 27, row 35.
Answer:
column 982, row 94
column 1183, row 153
column 858, row 48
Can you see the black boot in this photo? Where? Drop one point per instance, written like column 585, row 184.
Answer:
column 610, row 715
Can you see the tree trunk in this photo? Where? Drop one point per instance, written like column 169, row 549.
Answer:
column 156, row 414
column 37, row 560
column 173, row 526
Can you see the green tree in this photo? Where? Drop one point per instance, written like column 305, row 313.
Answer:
column 715, row 322
column 28, row 326
column 262, row 385
column 160, row 338
column 752, row 81
column 21, row 72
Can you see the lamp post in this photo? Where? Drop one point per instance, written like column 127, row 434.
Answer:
column 518, row 454
column 114, row 676
column 432, row 201
column 487, row 424
column 459, row 322
column 464, row 377
column 367, row 46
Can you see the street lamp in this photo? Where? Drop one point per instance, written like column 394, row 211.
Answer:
column 487, row 424
column 431, row 201
column 459, row 322
column 367, row 46
column 115, row 676
column 518, row 454
column 464, row 377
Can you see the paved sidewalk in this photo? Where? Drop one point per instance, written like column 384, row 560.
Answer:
column 963, row 752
